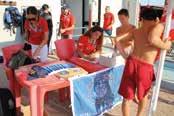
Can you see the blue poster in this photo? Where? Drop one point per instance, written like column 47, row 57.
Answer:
column 93, row 94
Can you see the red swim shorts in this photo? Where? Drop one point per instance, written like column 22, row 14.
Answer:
column 137, row 78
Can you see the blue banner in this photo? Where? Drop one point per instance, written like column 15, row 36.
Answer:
column 93, row 94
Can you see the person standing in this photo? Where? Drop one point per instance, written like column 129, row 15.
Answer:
column 138, row 73
column 46, row 14
column 125, row 47
column 67, row 23
column 36, row 33
column 108, row 21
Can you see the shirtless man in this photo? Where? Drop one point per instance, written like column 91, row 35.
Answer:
column 138, row 73
column 125, row 47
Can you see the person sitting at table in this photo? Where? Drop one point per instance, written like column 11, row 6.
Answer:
column 90, row 44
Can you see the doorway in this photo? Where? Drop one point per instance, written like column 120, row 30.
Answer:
column 85, row 14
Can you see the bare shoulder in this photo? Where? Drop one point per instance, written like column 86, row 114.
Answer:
column 158, row 29
column 118, row 30
column 159, row 26
column 133, row 26
column 135, row 30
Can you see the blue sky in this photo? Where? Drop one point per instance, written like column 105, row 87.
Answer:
column 152, row 2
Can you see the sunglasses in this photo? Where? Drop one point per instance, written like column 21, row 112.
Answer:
column 31, row 19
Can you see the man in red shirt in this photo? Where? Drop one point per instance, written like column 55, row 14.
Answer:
column 108, row 21
column 36, row 33
column 67, row 23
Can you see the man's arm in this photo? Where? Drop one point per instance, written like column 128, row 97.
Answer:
column 72, row 23
column 113, row 21
column 126, row 36
column 155, row 38
column 69, row 28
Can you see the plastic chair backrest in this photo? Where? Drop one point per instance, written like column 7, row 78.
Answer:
column 65, row 48
column 8, row 51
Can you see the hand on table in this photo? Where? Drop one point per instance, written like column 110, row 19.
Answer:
column 36, row 53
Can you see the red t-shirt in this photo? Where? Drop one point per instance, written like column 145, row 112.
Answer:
column 36, row 35
column 67, row 21
column 108, row 18
column 86, row 47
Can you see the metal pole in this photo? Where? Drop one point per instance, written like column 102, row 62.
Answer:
column 156, row 89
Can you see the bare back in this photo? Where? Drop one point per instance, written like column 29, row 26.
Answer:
column 142, row 48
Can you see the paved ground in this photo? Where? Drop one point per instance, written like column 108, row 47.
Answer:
column 165, row 106
column 54, row 108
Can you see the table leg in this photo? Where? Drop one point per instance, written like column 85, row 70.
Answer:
column 18, row 97
column 40, row 99
column 33, row 100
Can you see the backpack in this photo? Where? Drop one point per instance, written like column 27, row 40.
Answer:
column 12, row 18
column 7, row 103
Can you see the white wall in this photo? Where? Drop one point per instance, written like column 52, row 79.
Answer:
column 6, row 39
column 95, row 8
column 115, row 6
column 133, row 7
column 86, row 10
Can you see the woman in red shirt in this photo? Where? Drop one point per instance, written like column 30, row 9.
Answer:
column 90, row 44
column 36, row 33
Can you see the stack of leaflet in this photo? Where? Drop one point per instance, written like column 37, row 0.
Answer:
column 66, row 70
column 56, row 67
column 70, row 72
